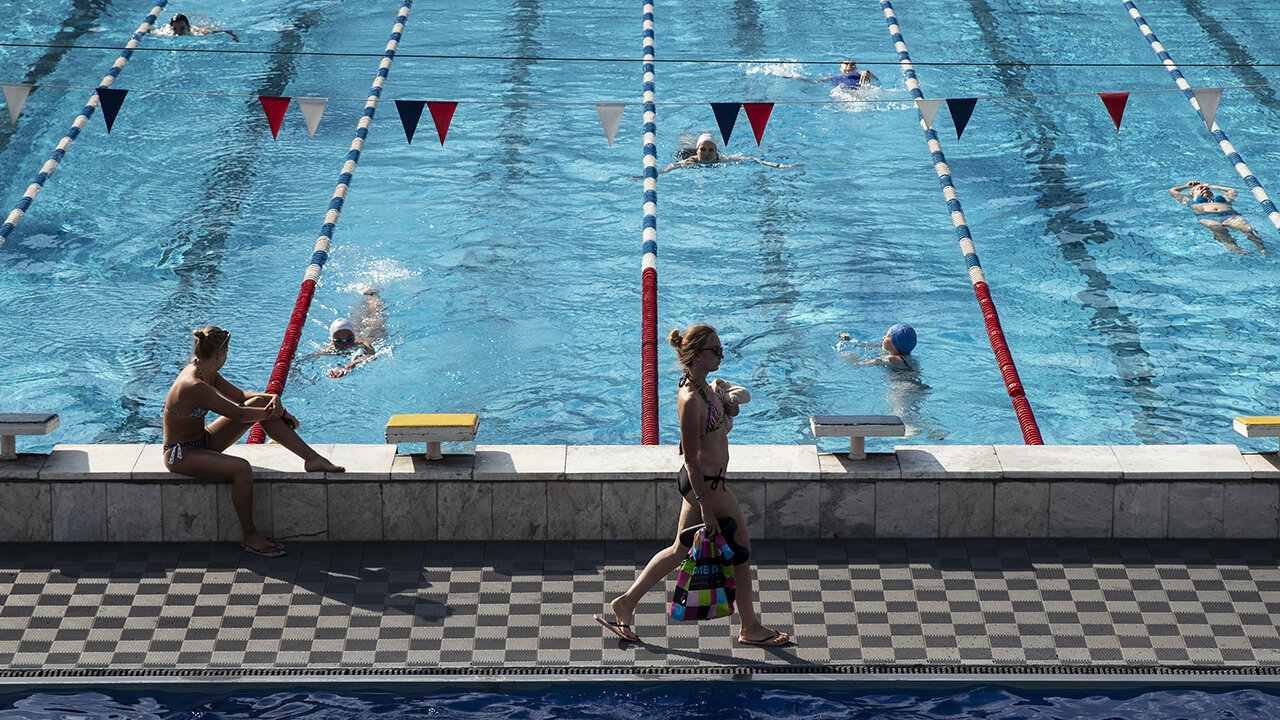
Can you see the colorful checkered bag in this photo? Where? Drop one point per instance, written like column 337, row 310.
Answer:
column 705, row 588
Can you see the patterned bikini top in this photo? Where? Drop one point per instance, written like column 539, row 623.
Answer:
column 715, row 418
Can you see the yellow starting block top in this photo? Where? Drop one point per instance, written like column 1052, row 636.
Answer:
column 433, row 420
column 1258, row 426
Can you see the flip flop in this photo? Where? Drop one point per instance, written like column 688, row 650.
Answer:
column 619, row 629
column 274, row 550
column 778, row 639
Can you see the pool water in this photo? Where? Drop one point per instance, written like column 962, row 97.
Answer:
column 509, row 258
column 688, row 704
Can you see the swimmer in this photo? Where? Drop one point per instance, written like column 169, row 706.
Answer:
column 1216, row 213
column 371, row 318
column 898, row 342
column 850, row 78
column 705, row 153
column 180, row 25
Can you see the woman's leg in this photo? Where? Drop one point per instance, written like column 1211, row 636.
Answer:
column 750, row 627
column 224, row 432
column 660, row 566
column 214, row 466
column 1221, row 235
column 1239, row 223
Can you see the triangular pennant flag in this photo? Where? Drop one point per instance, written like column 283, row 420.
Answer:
column 442, row 115
column 312, row 109
column 610, row 114
column 726, row 116
column 1115, row 105
column 928, row 109
column 1207, row 99
column 758, row 116
column 15, row 96
column 110, row 99
column 410, row 113
column 961, row 109
column 274, row 107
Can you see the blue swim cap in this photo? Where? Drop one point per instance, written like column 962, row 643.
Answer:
column 903, row 337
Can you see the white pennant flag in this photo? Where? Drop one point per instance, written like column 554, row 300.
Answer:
column 928, row 109
column 610, row 115
column 15, row 96
column 312, row 109
column 1207, row 99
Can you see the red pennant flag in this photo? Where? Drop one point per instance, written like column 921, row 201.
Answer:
column 1115, row 105
column 274, row 107
column 442, row 115
column 758, row 115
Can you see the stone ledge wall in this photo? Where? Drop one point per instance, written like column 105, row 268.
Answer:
column 123, row 493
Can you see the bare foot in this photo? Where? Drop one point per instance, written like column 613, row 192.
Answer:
column 255, row 543
column 319, row 464
column 622, row 612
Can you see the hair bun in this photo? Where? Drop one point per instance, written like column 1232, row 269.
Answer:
column 675, row 339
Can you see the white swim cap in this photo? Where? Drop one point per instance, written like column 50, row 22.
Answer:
column 705, row 138
column 339, row 325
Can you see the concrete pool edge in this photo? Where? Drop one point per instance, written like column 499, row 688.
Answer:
column 122, row 493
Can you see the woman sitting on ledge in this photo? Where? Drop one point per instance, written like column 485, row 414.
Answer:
column 195, row 449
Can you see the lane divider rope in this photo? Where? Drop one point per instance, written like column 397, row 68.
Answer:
column 1219, row 136
column 15, row 216
column 649, row 247
column 1009, row 373
column 289, row 346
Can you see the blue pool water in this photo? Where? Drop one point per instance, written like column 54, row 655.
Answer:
column 510, row 258
column 984, row 702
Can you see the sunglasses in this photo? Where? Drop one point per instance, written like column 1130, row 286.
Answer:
column 717, row 350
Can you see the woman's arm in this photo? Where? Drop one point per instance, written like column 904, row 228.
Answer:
column 217, row 402
column 1177, row 193
column 1228, row 193
column 673, row 166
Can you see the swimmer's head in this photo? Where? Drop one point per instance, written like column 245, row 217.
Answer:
column 706, row 147
column 341, row 332
column 1203, row 190
column 848, row 67
column 180, row 25
column 209, row 341
column 900, row 340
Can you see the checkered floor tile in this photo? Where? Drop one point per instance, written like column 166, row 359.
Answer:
column 398, row 605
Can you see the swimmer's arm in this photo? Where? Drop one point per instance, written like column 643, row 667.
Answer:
column 673, row 166
column 870, row 77
column 1178, row 195
column 218, row 401
column 370, row 354
column 1228, row 193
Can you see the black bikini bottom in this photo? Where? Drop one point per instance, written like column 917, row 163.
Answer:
column 686, row 487
column 202, row 443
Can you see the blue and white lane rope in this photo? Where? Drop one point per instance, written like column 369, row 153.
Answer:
column 15, row 216
column 1009, row 373
column 1219, row 136
column 649, row 236
column 289, row 346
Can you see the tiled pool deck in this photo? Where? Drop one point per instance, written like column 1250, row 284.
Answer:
column 1059, row 605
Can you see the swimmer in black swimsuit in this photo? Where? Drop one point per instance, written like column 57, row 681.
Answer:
column 704, row 442
column 195, row 449
column 705, row 153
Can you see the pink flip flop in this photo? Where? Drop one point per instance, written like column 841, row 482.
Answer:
column 622, row 630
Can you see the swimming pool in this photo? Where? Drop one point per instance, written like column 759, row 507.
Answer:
column 509, row 258
column 722, row 704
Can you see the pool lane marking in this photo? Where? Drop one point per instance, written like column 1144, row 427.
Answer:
column 15, row 216
column 1219, row 136
column 1008, row 371
column 289, row 345
column 649, row 247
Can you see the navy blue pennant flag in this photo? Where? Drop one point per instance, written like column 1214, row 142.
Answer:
column 410, row 112
column 726, row 116
column 110, row 99
column 961, row 109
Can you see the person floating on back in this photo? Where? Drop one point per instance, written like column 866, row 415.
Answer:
column 898, row 342
column 850, row 78
column 180, row 25
column 704, row 153
column 1216, row 213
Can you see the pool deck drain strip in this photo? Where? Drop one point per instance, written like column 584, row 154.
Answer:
column 15, row 216
column 289, row 346
column 1219, row 136
column 1008, row 371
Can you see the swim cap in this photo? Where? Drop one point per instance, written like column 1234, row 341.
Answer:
column 903, row 337
column 705, row 138
column 339, row 325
